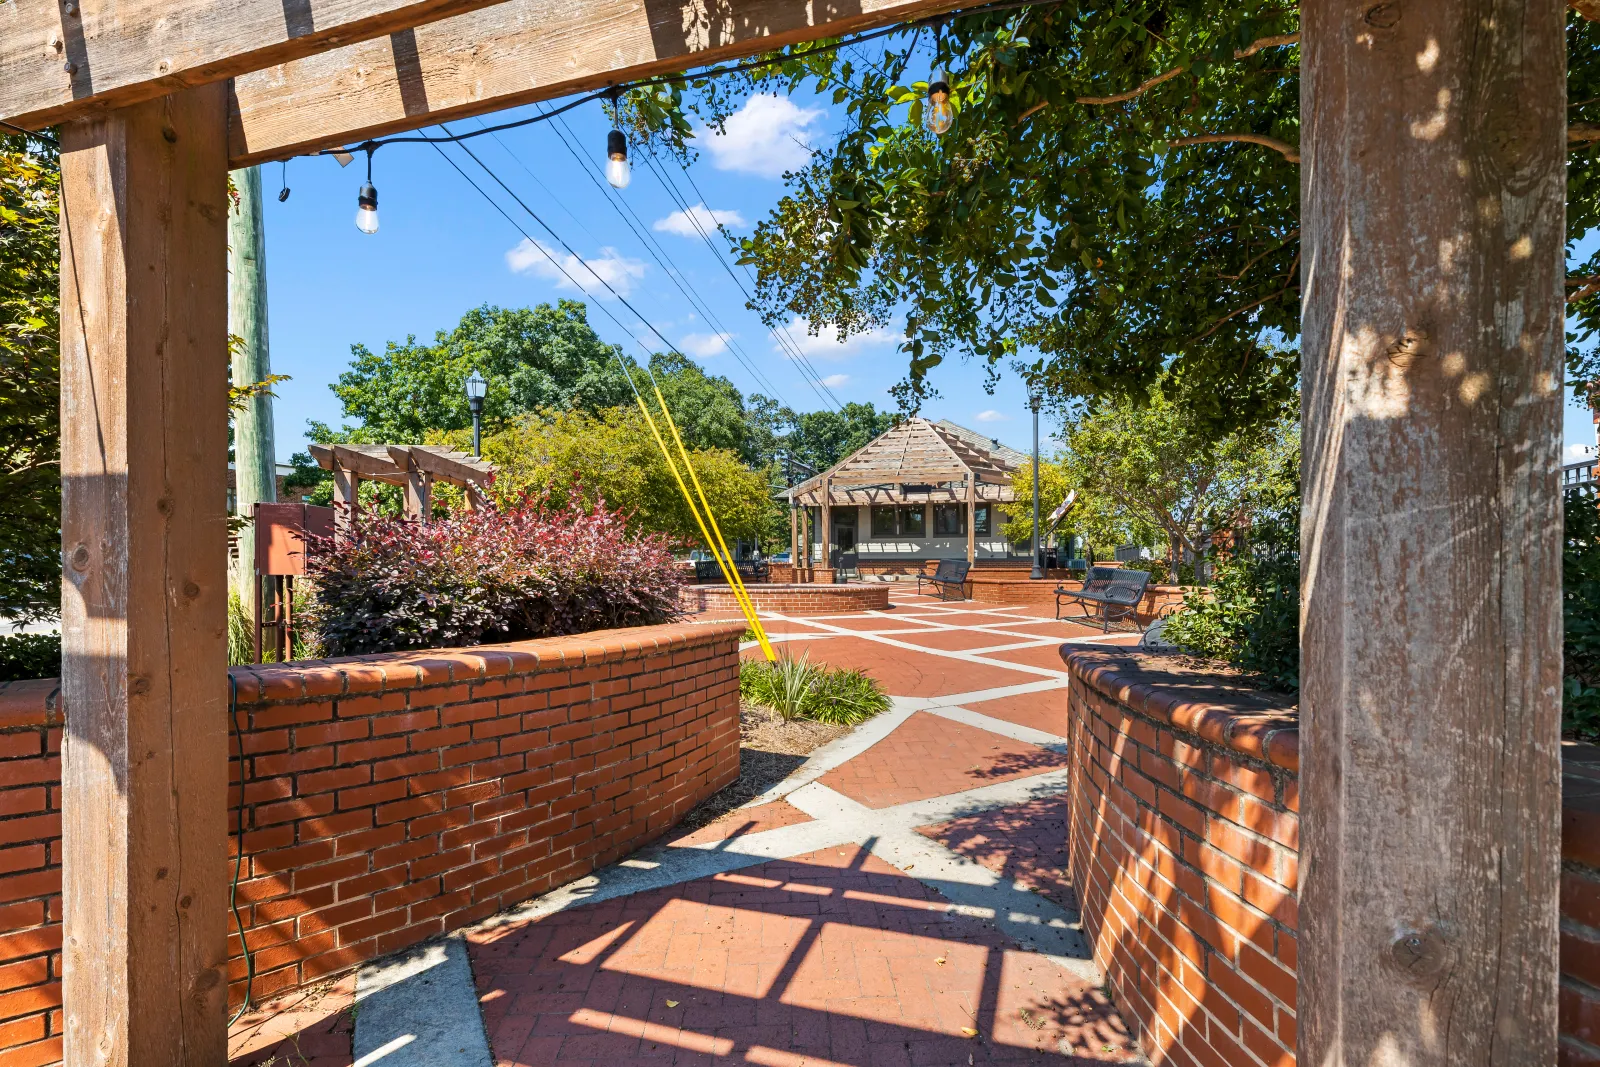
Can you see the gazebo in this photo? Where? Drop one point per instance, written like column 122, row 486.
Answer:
column 922, row 490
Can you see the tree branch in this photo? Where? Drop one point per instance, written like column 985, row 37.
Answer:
column 1587, row 287
column 1582, row 132
column 1589, row 9
column 1288, row 151
column 1246, row 268
column 1275, row 41
column 1215, row 326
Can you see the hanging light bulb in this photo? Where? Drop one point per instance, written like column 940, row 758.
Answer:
column 618, row 172
column 937, row 114
column 367, row 203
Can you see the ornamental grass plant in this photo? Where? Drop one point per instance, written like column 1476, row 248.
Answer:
column 800, row 689
column 485, row 576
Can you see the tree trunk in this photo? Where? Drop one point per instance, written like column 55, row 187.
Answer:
column 254, row 457
column 1433, row 187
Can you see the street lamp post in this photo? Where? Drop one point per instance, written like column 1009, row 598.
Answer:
column 476, row 387
column 1038, row 542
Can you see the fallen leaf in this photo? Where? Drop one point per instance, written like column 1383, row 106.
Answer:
column 967, row 1031
column 672, row 1003
column 1032, row 1020
column 908, row 866
column 940, row 961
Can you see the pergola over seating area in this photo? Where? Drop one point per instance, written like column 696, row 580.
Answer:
column 1432, row 156
column 921, row 490
column 412, row 467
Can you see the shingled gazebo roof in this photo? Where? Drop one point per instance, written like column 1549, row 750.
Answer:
column 914, row 461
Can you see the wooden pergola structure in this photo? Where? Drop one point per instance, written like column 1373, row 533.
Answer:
column 916, row 452
column 412, row 467
column 1433, row 158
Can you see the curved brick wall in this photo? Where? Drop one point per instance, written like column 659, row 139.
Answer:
column 788, row 599
column 1183, row 840
column 392, row 798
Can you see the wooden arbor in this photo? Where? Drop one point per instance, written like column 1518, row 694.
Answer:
column 1433, row 188
column 412, row 467
column 916, row 452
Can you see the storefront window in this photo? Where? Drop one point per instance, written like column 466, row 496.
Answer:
column 949, row 520
column 980, row 520
column 911, row 521
column 883, row 522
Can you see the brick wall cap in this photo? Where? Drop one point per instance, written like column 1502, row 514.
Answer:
column 37, row 702
column 1212, row 705
column 31, row 703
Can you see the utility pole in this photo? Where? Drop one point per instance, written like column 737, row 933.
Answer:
column 1038, row 558
column 254, row 448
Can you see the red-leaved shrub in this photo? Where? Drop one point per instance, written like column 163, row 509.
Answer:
column 485, row 576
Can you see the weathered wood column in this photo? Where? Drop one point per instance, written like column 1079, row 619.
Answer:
column 972, row 518
column 1433, row 187
column 144, row 360
column 346, row 501
column 794, row 543
column 825, row 520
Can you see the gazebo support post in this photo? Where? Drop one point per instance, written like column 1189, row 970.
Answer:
column 972, row 518
column 825, row 520
column 346, row 492
column 794, row 543
column 1433, row 183
column 144, row 444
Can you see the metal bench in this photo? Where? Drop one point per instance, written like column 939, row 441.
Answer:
column 751, row 571
column 1108, row 594
column 950, row 576
column 846, row 565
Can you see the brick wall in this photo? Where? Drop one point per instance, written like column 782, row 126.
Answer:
column 787, row 599
column 1184, row 847
column 1183, row 840
column 391, row 798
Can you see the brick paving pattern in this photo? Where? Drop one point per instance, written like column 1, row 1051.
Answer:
column 912, row 674
column 931, row 756
column 744, row 821
column 830, row 958
column 1026, row 843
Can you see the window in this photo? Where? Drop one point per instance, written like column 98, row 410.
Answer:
column 980, row 520
column 949, row 520
column 883, row 522
column 911, row 524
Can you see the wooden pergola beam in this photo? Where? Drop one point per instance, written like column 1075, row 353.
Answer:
column 63, row 60
column 516, row 53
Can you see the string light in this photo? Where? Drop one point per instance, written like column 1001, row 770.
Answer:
column 937, row 114
column 618, row 173
column 283, row 180
column 367, row 202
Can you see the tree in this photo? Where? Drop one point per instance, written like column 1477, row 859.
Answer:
column 30, row 381
column 574, row 458
column 1153, row 472
column 1102, row 523
column 545, row 357
column 708, row 408
column 1119, row 194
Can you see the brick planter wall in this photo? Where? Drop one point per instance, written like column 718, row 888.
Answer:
column 1183, row 840
column 392, row 798
column 787, row 599
column 1183, row 844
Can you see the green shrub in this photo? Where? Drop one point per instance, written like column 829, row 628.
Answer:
column 29, row 656
column 800, row 689
column 1580, row 613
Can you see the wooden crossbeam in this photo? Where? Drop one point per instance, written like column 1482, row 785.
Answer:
column 517, row 52
column 61, row 59
column 455, row 468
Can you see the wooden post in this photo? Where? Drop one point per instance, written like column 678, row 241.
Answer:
column 254, row 451
column 419, row 494
column 144, row 776
column 346, row 491
column 794, row 543
column 972, row 519
column 826, row 518
column 1433, row 182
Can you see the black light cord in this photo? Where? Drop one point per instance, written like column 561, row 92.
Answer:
column 238, row 856
column 610, row 92
column 44, row 137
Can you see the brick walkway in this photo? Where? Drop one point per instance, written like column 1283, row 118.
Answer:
column 901, row 900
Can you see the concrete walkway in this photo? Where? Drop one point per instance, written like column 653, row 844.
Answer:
column 901, row 899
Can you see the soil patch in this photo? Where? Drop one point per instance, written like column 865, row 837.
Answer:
column 769, row 751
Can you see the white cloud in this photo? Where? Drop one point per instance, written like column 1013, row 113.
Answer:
column 707, row 219
column 833, row 381
column 769, row 135
column 1574, row 453
column 704, row 345
column 991, row 415
column 825, row 343
column 618, row 270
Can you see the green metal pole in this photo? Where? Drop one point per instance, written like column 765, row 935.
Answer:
column 255, row 460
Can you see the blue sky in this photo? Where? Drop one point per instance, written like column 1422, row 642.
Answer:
column 441, row 249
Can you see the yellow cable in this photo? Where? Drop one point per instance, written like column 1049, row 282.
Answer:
column 747, row 608
column 710, row 515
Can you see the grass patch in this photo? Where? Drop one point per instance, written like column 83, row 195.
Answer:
column 800, row 689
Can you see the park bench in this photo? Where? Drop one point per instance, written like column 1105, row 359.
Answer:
column 846, row 565
column 751, row 571
column 950, row 576
column 1108, row 594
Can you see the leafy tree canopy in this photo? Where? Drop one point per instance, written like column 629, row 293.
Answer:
column 30, row 389
column 1117, row 199
column 574, row 458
